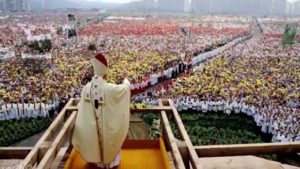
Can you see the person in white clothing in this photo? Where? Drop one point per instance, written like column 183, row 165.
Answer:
column 36, row 110
column 236, row 107
column 2, row 115
column 15, row 112
column 209, row 106
column 285, row 139
column 30, row 112
column 274, row 138
column 180, row 107
column 264, row 127
column 185, row 104
column 204, row 107
column 297, row 138
column 103, row 118
column 244, row 108
column 253, row 110
column 198, row 104
column 228, row 108
column 214, row 106
column 2, row 111
column 221, row 105
column 190, row 104
column 280, row 137
column 21, row 109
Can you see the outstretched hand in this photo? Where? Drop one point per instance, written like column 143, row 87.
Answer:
column 125, row 73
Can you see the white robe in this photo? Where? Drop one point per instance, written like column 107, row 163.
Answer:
column 99, row 140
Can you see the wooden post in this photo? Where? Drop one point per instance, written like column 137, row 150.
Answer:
column 51, row 154
column 32, row 158
column 192, row 153
column 183, row 149
column 179, row 164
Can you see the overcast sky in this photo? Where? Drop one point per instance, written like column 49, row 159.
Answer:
column 111, row 1
column 125, row 1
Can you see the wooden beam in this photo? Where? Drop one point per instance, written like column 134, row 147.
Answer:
column 75, row 102
column 72, row 108
column 60, row 156
column 43, row 149
column 178, row 162
column 247, row 149
column 14, row 152
column 32, row 158
column 193, row 155
column 51, row 154
column 156, row 109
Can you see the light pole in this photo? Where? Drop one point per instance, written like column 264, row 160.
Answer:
column 210, row 7
column 272, row 6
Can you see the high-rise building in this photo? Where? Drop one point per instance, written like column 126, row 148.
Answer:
column 15, row 5
column 240, row 7
column 27, row 5
column 187, row 6
column 202, row 7
column 48, row 4
column 148, row 4
column 278, row 7
column 2, row 5
column 296, row 8
column 171, row 5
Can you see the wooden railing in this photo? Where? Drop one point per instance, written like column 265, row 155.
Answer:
column 53, row 147
column 14, row 152
column 247, row 149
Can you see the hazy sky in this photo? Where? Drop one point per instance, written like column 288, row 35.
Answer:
column 125, row 1
column 114, row 1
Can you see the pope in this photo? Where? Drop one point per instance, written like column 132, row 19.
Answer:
column 103, row 116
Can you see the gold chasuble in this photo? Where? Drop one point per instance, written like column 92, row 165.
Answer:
column 102, row 122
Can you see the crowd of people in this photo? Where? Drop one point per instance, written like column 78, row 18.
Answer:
column 150, row 58
column 153, row 49
column 259, row 78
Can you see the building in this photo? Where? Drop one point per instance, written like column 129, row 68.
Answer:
column 2, row 5
column 15, row 5
column 187, row 6
column 240, row 7
column 171, row 5
column 278, row 7
column 148, row 4
column 48, row 4
column 296, row 8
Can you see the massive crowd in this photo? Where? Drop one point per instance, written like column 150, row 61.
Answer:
column 36, row 86
column 259, row 77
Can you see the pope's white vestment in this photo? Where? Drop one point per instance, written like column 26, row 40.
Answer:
column 102, row 127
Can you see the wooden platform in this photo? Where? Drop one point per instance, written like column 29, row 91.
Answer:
column 10, row 164
column 148, row 154
column 54, row 148
column 241, row 162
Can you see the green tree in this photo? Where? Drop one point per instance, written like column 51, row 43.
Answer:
column 59, row 30
column 289, row 35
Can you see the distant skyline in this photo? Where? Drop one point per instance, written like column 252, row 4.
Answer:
column 114, row 1
column 126, row 1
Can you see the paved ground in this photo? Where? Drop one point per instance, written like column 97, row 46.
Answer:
column 29, row 142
